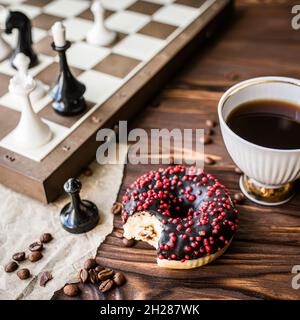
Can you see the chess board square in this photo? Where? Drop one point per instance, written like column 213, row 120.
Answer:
column 139, row 46
column 191, row 3
column 84, row 56
column 144, row 7
column 116, row 65
column 116, row 5
column 176, row 14
column 76, row 28
column 48, row 113
column 44, row 61
column 66, row 8
column 59, row 133
column 99, row 86
column 163, row 2
column 8, row 120
column 44, row 46
column 50, row 74
column 127, row 21
column 158, row 30
column 30, row 11
column 37, row 3
column 4, row 80
column 87, row 14
column 45, row 21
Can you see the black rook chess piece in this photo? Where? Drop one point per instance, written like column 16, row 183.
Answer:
column 67, row 92
column 78, row 216
column 18, row 20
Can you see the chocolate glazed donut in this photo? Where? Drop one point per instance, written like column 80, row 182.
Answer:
column 185, row 213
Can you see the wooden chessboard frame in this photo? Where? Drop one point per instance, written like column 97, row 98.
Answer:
column 44, row 180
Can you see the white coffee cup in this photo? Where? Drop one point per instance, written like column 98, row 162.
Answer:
column 268, row 173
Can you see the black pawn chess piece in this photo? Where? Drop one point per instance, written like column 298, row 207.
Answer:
column 78, row 216
column 68, row 92
column 18, row 20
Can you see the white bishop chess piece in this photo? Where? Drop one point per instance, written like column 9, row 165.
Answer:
column 99, row 35
column 5, row 49
column 31, row 132
column 22, row 62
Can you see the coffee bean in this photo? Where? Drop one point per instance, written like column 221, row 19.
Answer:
column 128, row 242
column 93, row 276
column 71, row 290
column 23, row 274
column 119, row 234
column 45, row 278
column 239, row 197
column 119, row 278
column 208, row 131
column 99, row 268
column 36, row 246
column 90, row 264
column 35, row 256
column 206, row 140
column 209, row 160
column 19, row 256
column 210, row 123
column 238, row 170
column 88, row 172
column 11, row 267
column 117, row 208
column 105, row 274
column 46, row 237
column 106, row 285
column 83, row 276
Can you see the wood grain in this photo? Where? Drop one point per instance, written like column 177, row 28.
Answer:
column 258, row 263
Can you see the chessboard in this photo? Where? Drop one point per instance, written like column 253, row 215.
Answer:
column 154, row 38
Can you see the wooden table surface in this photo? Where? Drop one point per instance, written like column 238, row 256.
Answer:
column 257, row 265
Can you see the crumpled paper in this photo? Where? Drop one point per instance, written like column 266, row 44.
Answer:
column 23, row 220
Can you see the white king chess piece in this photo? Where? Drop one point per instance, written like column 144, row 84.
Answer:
column 5, row 49
column 22, row 62
column 99, row 35
column 31, row 132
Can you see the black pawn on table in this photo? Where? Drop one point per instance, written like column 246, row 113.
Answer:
column 78, row 216
column 18, row 20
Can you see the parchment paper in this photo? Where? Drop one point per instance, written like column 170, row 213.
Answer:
column 23, row 220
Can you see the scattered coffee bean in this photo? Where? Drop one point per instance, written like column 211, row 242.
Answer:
column 35, row 256
column 205, row 139
column 128, row 242
column 105, row 274
column 208, row 131
column 36, row 246
column 46, row 237
column 119, row 278
column 11, row 267
column 90, row 264
column 71, row 290
column 88, row 172
column 119, row 234
column 19, row 256
column 238, row 170
column 210, row 123
column 23, row 274
column 106, row 285
column 209, row 160
column 93, row 276
column 99, row 268
column 45, row 278
column 239, row 197
column 83, row 276
column 117, row 208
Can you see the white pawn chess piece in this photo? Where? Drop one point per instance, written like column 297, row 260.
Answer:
column 5, row 49
column 22, row 62
column 99, row 35
column 31, row 132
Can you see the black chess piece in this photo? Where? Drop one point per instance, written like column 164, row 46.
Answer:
column 68, row 92
column 18, row 20
column 78, row 216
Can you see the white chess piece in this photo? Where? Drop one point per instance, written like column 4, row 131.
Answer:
column 5, row 49
column 22, row 62
column 99, row 35
column 31, row 132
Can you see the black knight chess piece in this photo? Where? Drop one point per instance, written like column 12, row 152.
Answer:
column 18, row 20
column 78, row 216
column 68, row 92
